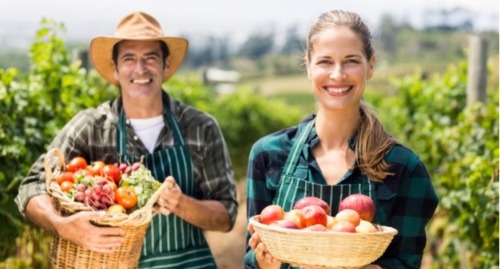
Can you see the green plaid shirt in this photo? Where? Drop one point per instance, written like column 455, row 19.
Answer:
column 405, row 201
column 92, row 135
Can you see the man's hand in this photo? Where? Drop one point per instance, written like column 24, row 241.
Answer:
column 78, row 229
column 170, row 198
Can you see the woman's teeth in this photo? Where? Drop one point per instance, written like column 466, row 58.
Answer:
column 337, row 90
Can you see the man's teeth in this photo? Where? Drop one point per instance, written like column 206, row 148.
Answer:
column 337, row 90
column 141, row 81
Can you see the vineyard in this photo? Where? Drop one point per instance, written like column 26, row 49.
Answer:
column 457, row 142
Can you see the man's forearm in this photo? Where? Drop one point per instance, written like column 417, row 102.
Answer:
column 207, row 214
column 41, row 211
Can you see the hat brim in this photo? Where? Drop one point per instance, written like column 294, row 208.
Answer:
column 101, row 50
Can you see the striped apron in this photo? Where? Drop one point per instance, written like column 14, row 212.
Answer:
column 294, row 186
column 170, row 242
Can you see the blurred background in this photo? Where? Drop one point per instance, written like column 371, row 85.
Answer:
column 435, row 88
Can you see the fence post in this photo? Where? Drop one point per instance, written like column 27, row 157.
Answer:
column 477, row 72
column 82, row 56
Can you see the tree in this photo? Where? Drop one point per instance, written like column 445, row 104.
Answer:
column 257, row 45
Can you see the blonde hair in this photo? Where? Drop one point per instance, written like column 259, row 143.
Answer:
column 372, row 145
column 372, row 141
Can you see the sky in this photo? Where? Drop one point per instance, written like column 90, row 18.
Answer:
column 85, row 19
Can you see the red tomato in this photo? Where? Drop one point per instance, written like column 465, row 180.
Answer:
column 66, row 186
column 96, row 167
column 76, row 164
column 65, row 176
column 126, row 196
column 112, row 172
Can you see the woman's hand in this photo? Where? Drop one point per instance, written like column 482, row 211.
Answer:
column 262, row 255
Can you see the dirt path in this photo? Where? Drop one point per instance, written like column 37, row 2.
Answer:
column 229, row 248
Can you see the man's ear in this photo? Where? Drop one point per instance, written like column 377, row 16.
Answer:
column 167, row 63
column 115, row 71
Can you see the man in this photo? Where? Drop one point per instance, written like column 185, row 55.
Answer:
column 144, row 120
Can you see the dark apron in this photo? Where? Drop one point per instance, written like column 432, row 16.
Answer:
column 291, row 187
column 170, row 242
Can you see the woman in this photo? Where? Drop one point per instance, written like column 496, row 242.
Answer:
column 341, row 150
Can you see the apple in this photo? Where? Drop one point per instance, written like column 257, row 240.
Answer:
column 313, row 214
column 344, row 227
column 349, row 215
column 316, row 227
column 271, row 213
column 330, row 221
column 284, row 223
column 363, row 204
column 311, row 200
column 294, row 215
column 365, row 227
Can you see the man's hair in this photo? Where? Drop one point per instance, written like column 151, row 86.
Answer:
column 164, row 49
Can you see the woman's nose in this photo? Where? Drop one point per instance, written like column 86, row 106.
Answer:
column 337, row 72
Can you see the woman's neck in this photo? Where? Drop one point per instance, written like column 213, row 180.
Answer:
column 335, row 129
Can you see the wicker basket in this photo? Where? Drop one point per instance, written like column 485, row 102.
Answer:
column 65, row 254
column 324, row 249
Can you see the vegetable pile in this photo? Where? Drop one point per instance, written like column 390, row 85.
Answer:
column 117, row 188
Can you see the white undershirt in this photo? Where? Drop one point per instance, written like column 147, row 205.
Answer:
column 148, row 130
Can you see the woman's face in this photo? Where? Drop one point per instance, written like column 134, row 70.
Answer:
column 139, row 69
column 338, row 68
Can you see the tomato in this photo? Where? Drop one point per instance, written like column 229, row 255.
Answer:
column 65, row 176
column 126, row 196
column 112, row 172
column 76, row 164
column 96, row 167
column 66, row 186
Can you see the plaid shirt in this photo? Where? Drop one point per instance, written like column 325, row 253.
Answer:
column 92, row 135
column 405, row 201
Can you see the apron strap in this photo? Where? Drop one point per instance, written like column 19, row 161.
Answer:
column 293, row 157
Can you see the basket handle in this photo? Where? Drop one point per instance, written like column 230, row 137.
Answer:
column 49, row 174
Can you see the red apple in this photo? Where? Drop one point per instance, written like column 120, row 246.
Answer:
column 363, row 204
column 348, row 215
column 271, row 213
column 316, row 227
column 344, row 227
column 311, row 200
column 294, row 215
column 284, row 223
column 365, row 227
column 313, row 214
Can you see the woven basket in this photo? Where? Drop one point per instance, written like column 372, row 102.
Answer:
column 65, row 254
column 324, row 249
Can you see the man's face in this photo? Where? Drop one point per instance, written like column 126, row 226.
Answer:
column 139, row 69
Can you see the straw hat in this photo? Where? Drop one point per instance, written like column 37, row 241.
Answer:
column 136, row 26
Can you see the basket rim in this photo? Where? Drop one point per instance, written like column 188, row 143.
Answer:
column 386, row 230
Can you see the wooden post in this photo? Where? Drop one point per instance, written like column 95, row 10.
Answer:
column 477, row 73
column 82, row 56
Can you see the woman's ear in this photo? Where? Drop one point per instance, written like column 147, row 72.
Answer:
column 371, row 66
column 306, row 63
